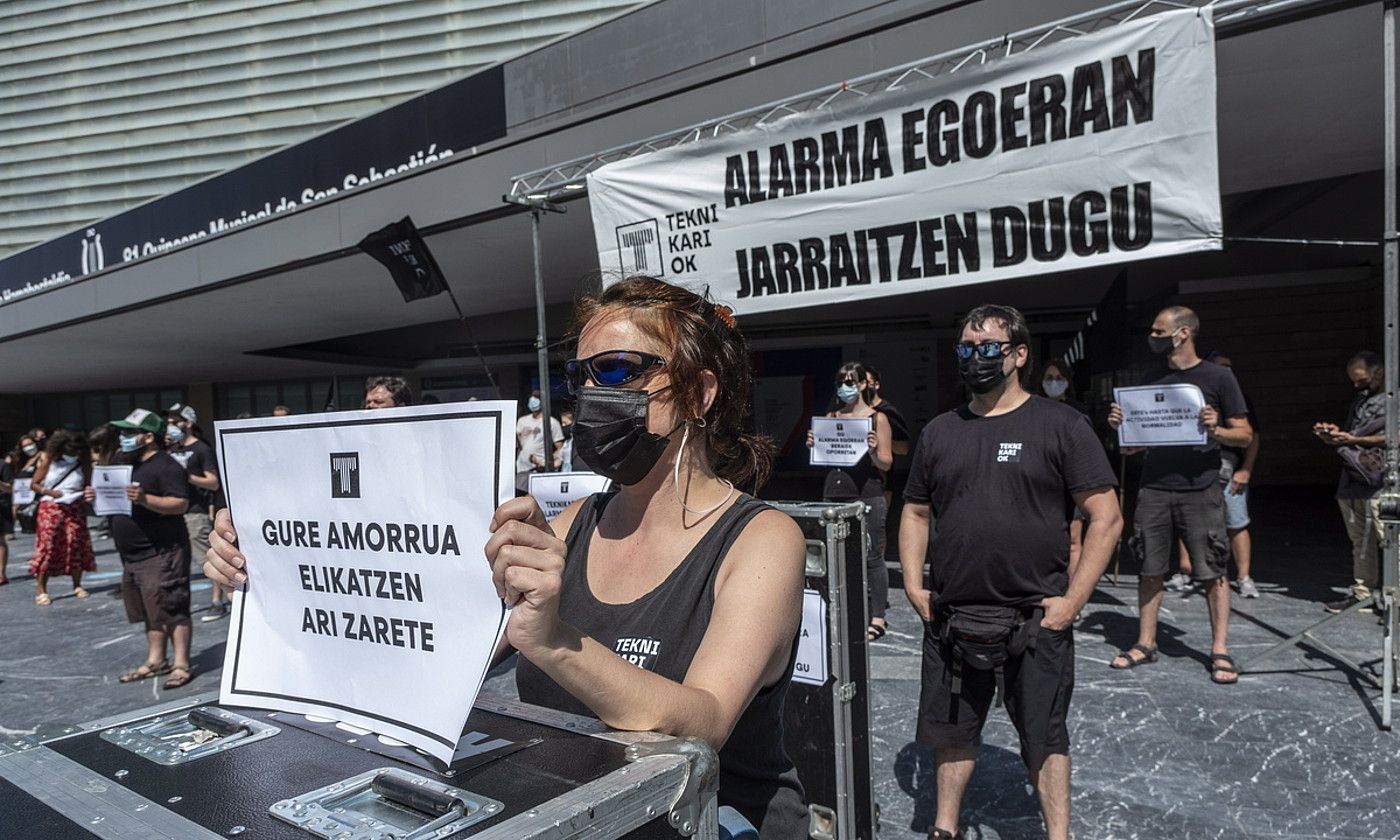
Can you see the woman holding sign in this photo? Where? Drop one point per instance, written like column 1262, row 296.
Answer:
column 62, row 545
column 864, row 480
column 672, row 603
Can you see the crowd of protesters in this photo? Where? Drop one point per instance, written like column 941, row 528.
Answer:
column 1008, row 514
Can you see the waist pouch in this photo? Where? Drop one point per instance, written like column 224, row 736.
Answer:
column 984, row 638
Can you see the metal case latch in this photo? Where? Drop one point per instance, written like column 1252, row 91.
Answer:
column 816, row 559
column 385, row 804
column 821, row 823
column 182, row 737
column 701, row 783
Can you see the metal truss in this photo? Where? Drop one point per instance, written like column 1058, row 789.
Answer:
column 552, row 181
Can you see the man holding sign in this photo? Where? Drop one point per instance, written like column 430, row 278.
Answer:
column 1180, row 494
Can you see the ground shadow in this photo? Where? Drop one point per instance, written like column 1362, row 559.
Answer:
column 1121, row 632
column 998, row 796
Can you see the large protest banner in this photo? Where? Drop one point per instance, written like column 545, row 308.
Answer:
column 1098, row 149
column 368, row 598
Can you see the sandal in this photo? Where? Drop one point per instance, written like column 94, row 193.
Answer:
column 1149, row 655
column 941, row 834
column 42, row 599
column 79, row 592
column 180, row 676
column 875, row 631
column 145, row 672
column 1229, row 667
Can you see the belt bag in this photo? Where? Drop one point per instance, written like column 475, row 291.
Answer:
column 984, row 639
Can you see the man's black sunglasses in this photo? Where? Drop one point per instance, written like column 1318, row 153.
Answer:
column 611, row 367
column 987, row 349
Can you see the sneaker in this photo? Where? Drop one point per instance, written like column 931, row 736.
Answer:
column 1348, row 602
column 215, row 612
column 1247, row 588
column 1179, row 582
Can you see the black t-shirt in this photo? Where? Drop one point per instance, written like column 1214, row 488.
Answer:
column 145, row 532
column 899, row 427
column 7, row 475
column 1000, row 492
column 197, row 457
column 1193, row 467
column 1234, row 455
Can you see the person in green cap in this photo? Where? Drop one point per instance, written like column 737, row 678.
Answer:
column 154, row 546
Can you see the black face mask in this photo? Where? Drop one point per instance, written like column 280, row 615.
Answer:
column 610, row 433
column 1160, row 344
column 981, row 375
column 568, row 430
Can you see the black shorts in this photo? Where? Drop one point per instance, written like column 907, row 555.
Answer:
column 1038, row 685
column 1197, row 517
column 156, row 591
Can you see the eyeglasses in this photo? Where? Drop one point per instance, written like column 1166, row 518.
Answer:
column 987, row 349
column 611, row 368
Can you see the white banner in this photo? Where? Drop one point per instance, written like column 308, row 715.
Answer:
column 369, row 599
column 22, row 492
column 1161, row 415
column 109, row 483
column 839, row 441
column 556, row 491
column 1096, row 150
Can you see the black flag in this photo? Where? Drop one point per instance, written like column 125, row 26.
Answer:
column 399, row 247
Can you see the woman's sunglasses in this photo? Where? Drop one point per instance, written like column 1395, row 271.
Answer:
column 611, row 368
column 987, row 349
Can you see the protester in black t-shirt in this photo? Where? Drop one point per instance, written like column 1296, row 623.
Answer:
column 991, row 490
column 154, row 547
column 1057, row 383
column 1180, row 494
column 7, row 522
column 187, row 446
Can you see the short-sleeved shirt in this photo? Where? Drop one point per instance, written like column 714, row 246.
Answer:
column 1193, row 467
column 145, row 533
column 528, row 432
column 197, row 457
column 1000, row 491
column 1234, row 455
column 899, row 427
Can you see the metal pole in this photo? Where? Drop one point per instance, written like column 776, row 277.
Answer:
column 1390, row 493
column 542, row 347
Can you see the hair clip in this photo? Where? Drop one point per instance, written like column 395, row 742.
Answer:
column 725, row 314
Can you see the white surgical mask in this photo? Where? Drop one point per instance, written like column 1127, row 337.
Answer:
column 1055, row 388
column 30, row 450
column 175, row 433
column 534, row 404
column 129, row 443
column 847, row 393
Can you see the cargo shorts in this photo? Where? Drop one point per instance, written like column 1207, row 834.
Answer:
column 1195, row 516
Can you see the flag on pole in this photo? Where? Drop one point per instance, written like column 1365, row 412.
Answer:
column 400, row 248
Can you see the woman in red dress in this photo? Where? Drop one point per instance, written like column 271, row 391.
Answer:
column 62, row 545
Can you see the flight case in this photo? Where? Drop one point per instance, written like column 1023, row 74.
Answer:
column 193, row 770
column 827, row 726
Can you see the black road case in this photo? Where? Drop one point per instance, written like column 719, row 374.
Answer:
column 192, row 770
column 827, row 726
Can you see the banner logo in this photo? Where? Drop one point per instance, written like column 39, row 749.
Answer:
column 345, row 475
column 641, row 241
column 1159, row 397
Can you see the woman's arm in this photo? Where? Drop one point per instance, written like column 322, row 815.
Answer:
column 758, row 606
column 882, row 453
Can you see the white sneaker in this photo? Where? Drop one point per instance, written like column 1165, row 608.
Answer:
column 1179, row 582
column 1247, row 588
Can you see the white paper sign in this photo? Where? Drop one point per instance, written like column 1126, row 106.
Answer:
column 110, row 483
column 556, row 491
column 810, row 665
column 1095, row 150
column 839, row 441
column 1161, row 415
column 368, row 598
column 23, row 492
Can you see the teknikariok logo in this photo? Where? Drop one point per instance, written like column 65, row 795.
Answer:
column 345, row 475
column 1159, row 397
column 639, row 244
column 563, row 487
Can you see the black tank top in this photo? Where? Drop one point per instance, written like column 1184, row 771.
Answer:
column 661, row 631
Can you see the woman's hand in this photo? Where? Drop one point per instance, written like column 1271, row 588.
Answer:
column 223, row 564
column 811, row 439
column 872, row 439
column 527, row 566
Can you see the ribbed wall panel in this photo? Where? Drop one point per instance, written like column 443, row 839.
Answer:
column 106, row 104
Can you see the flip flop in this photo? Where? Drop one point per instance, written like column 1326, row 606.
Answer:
column 1149, row 655
column 177, row 681
column 1216, row 669
column 42, row 600
column 146, row 671
column 79, row 592
column 875, row 631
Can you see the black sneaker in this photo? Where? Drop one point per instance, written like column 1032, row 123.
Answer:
column 215, row 612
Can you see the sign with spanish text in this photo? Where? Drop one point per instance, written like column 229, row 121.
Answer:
column 1161, row 415
column 556, row 491
column 1097, row 149
column 364, row 532
column 839, row 441
column 109, row 484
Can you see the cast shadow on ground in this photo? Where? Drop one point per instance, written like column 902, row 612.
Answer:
column 1121, row 632
column 998, row 796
